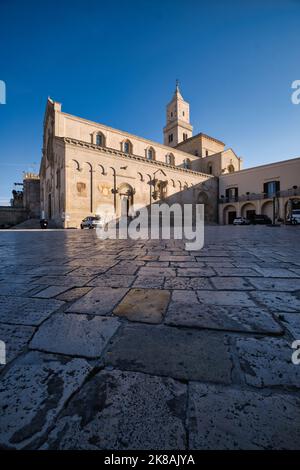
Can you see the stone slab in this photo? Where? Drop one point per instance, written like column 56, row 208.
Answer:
column 186, row 283
column 99, row 301
column 168, row 351
column 112, row 280
column 276, row 272
column 73, row 294
column 16, row 338
column 22, row 311
column 49, row 292
column 151, row 282
column 32, row 393
column 267, row 362
column 230, row 283
column 75, row 335
column 154, row 271
column 225, row 298
column 290, row 321
column 275, row 284
column 198, row 315
column 224, row 418
column 68, row 281
column 196, row 272
column 278, row 301
column 144, row 305
column 123, row 410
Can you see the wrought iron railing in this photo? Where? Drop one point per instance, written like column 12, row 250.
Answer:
column 256, row 196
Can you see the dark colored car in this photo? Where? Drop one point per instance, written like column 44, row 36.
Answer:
column 260, row 219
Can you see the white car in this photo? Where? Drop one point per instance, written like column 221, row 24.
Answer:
column 241, row 221
column 295, row 218
column 91, row 222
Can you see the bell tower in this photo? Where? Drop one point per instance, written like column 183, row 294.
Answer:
column 178, row 127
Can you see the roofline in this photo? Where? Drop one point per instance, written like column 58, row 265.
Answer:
column 266, row 165
column 152, row 142
column 201, row 134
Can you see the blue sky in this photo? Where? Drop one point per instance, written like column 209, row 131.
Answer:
column 116, row 62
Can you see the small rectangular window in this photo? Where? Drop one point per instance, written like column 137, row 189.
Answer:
column 170, row 137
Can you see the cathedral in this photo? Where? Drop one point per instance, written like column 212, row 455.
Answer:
column 86, row 164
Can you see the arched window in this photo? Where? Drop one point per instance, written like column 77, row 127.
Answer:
column 150, row 154
column 230, row 168
column 187, row 163
column 210, row 168
column 127, row 146
column 170, row 159
column 100, row 139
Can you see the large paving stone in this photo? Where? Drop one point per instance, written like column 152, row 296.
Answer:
column 273, row 284
column 144, row 305
column 112, row 280
column 193, row 283
column 49, row 292
column 199, row 315
column 16, row 338
column 150, row 282
column 126, row 267
column 123, row 410
column 290, row 321
column 278, row 301
column 230, row 283
column 276, row 272
column 24, row 311
column 225, row 298
column 14, row 290
column 68, row 281
column 231, row 272
column 159, row 271
column 267, row 362
column 46, row 270
column 32, row 393
column 178, row 353
column 73, row 294
column 196, row 272
column 75, row 335
column 227, row 418
column 99, row 301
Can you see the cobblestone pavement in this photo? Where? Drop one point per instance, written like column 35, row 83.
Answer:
column 142, row 345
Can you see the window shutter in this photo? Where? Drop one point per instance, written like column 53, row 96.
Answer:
column 277, row 186
column 266, row 188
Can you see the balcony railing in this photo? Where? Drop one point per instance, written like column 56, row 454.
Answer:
column 257, row 196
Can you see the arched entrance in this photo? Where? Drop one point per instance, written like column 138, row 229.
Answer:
column 267, row 209
column 203, row 199
column 248, row 210
column 229, row 214
column 125, row 192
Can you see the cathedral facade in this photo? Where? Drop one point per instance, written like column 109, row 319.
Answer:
column 85, row 165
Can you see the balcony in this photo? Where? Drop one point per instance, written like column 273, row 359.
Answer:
column 295, row 191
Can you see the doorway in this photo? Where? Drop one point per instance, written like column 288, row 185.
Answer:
column 231, row 217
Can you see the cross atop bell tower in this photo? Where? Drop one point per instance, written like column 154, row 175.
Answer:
column 178, row 127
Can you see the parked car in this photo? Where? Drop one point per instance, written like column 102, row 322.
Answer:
column 241, row 221
column 295, row 217
column 91, row 222
column 261, row 219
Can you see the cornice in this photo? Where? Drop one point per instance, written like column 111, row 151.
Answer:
column 125, row 156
